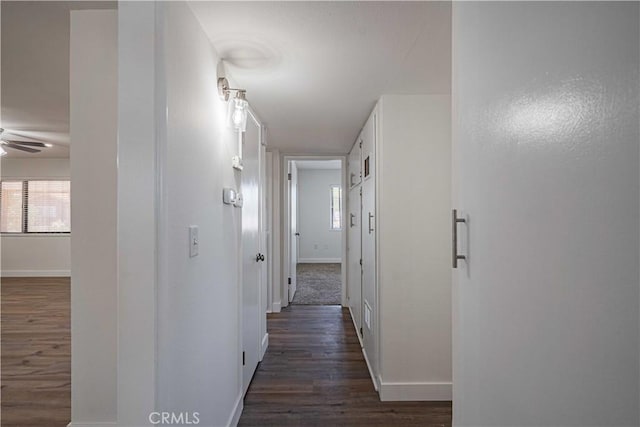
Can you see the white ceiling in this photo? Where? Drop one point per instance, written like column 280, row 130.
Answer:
column 313, row 70
column 35, row 72
column 318, row 164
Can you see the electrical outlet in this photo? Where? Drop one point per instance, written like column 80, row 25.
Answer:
column 194, row 243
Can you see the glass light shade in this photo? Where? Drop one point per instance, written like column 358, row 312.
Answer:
column 237, row 114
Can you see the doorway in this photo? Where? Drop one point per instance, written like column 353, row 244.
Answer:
column 315, row 234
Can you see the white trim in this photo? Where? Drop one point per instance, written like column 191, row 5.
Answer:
column 319, row 260
column 93, row 424
column 419, row 391
column 373, row 377
column 277, row 307
column 36, row 273
column 275, row 284
column 38, row 178
column 355, row 326
column 283, row 236
column 9, row 235
column 264, row 345
column 234, row 418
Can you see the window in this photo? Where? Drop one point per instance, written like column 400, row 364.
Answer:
column 12, row 209
column 336, row 207
column 35, row 207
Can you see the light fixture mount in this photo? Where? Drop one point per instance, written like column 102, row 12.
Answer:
column 223, row 88
column 224, row 91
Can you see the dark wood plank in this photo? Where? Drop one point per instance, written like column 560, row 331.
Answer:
column 314, row 374
column 35, row 352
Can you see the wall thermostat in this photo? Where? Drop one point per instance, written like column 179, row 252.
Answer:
column 229, row 196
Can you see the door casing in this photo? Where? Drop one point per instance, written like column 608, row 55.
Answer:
column 286, row 230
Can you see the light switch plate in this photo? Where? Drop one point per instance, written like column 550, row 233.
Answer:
column 194, row 243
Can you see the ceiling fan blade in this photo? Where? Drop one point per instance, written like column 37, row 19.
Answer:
column 21, row 148
column 28, row 143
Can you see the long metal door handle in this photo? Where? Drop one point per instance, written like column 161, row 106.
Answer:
column 454, row 247
column 370, row 218
column 351, row 220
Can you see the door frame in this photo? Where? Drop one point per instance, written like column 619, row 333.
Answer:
column 285, row 232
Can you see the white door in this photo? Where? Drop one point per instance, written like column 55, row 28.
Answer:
column 546, row 316
column 251, row 260
column 293, row 223
column 354, row 247
column 369, row 288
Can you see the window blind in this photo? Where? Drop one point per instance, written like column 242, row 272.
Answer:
column 35, row 206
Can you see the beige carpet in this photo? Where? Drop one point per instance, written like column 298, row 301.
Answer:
column 319, row 284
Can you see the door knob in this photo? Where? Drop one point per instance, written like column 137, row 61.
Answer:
column 259, row 257
column 297, row 234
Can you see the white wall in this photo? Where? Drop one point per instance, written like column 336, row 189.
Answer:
column 199, row 357
column 35, row 168
column 317, row 243
column 93, row 108
column 35, row 255
column 140, row 112
column 414, row 240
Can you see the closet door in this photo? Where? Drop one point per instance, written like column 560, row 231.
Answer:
column 369, row 222
column 354, row 229
column 251, row 261
column 546, row 303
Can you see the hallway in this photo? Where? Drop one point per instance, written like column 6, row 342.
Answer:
column 314, row 374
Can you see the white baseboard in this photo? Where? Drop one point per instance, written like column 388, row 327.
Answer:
column 264, row 346
column 277, row 307
column 373, row 377
column 319, row 260
column 96, row 424
column 353, row 320
column 36, row 273
column 390, row 391
column 237, row 411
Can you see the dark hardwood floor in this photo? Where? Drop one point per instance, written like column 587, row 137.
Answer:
column 314, row 374
column 35, row 352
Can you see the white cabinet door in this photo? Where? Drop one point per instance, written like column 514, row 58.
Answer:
column 546, row 319
column 369, row 222
column 354, row 277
